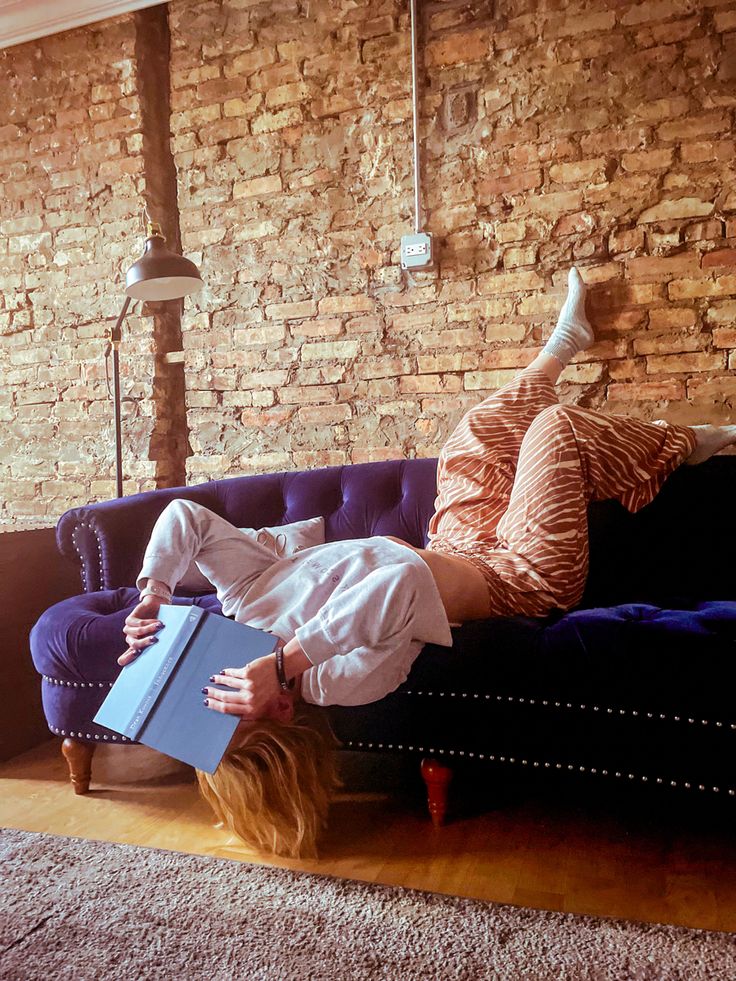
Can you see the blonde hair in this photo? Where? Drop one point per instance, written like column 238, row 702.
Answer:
column 273, row 789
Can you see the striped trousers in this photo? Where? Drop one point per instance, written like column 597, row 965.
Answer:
column 514, row 481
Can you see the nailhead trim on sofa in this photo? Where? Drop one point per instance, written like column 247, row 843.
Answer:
column 569, row 705
column 434, row 751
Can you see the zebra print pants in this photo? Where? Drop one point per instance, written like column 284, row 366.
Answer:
column 514, row 481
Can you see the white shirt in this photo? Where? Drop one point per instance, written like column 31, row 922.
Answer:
column 360, row 609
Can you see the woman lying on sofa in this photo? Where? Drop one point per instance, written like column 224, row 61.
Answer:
column 509, row 536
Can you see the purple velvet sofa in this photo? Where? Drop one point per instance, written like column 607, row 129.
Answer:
column 636, row 685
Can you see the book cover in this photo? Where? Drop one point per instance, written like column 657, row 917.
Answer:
column 157, row 699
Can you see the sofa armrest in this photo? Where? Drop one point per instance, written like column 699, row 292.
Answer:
column 107, row 541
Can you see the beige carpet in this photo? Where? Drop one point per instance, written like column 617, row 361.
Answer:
column 76, row 910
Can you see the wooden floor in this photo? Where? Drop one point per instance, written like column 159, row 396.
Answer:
column 576, row 848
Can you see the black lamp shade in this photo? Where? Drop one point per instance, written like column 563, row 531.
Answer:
column 160, row 274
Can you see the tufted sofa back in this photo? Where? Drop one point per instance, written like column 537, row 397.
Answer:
column 680, row 546
column 395, row 497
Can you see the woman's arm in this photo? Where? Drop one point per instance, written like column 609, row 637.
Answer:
column 142, row 623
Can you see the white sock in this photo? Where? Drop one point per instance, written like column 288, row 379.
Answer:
column 573, row 332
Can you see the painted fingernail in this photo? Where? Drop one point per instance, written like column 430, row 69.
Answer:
column 212, row 677
column 153, row 640
column 206, row 701
column 204, row 691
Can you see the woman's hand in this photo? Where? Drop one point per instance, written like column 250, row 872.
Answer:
column 256, row 693
column 140, row 627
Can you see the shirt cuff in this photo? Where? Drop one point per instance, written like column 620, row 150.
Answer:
column 160, row 569
column 314, row 641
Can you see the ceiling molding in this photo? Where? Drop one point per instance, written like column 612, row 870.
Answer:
column 25, row 20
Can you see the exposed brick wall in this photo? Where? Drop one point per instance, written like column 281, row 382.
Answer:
column 70, row 181
column 595, row 133
column 72, row 189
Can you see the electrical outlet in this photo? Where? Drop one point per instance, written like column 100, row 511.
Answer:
column 416, row 251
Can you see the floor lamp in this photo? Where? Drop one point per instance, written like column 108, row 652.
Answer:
column 158, row 275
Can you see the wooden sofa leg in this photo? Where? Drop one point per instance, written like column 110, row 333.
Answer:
column 79, row 759
column 437, row 779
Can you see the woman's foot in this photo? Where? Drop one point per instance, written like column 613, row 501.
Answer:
column 710, row 439
column 573, row 332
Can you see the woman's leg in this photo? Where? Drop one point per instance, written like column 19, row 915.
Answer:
column 477, row 464
column 569, row 457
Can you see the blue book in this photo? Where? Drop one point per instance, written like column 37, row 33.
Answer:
column 157, row 699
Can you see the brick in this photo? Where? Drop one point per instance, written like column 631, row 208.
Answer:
column 725, row 20
column 626, row 240
column 285, row 95
column 680, row 208
column 672, row 363
column 682, row 289
column 662, row 268
column 297, row 310
column 665, row 344
column 459, row 48
column 430, row 384
column 324, row 415
column 490, row 188
column 270, row 122
column 724, row 337
column 722, row 150
column 652, row 10
column 257, row 187
column 345, row 304
column 510, row 231
column 330, row 350
column 719, row 258
column 578, row 171
column 192, row 119
column 701, row 231
column 694, row 126
column 659, row 109
column 242, row 107
column 382, row 368
column 580, row 223
column 451, row 361
column 552, row 205
column 317, row 327
column 475, row 380
column 602, row 20
column 251, row 61
column 718, row 389
column 671, row 318
column 308, row 394
column 508, row 357
column 526, row 256
column 509, row 282
column 664, row 391
column 582, row 374
column 659, row 159
column 722, row 313
column 274, row 416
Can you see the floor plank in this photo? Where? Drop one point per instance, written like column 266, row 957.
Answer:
column 560, row 847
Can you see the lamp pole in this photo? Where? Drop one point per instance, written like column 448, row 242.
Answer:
column 115, row 338
column 157, row 275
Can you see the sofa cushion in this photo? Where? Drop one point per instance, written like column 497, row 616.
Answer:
column 633, row 657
